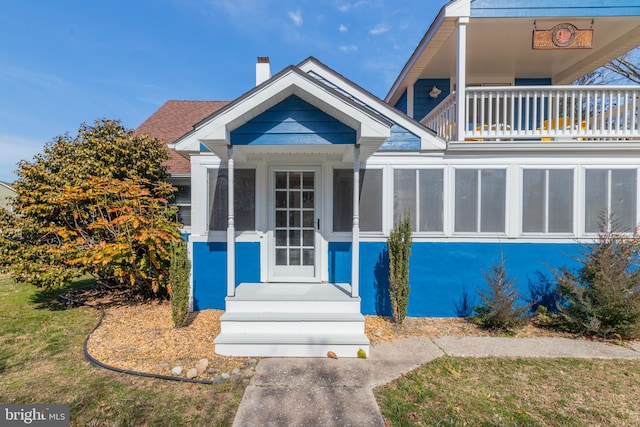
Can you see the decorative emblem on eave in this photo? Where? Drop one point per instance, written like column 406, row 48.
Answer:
column 563, row 36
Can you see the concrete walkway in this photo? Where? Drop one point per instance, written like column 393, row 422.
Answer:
column 328, row 392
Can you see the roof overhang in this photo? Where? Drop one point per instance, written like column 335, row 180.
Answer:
column 499, row 42
column 429, row 141
column 214, row 132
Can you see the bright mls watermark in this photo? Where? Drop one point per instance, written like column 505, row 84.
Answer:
column 34, row 415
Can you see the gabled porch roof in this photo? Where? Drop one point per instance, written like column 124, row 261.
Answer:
column 214, row 132
column 499, row 41
column 428, row 139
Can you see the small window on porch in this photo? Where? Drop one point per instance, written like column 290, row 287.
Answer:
column 421, row 192
column 183, row 201
column 613, row 191
column 547, row 204
column 480, row 200
column 244, row 199
column 370, row 200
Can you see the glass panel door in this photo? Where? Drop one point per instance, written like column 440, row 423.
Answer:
column 294, row 227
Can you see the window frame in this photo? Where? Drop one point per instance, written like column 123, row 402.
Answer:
column 341, row 235
column 453, row 195
column 182, row 181
column 210, row 201
column 574, row 200
column 609, row 170
column 417, row 218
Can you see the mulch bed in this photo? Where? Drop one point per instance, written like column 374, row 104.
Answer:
column 138, row 334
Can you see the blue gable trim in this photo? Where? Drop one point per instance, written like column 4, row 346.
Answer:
column 293, row 122
column 551, row 8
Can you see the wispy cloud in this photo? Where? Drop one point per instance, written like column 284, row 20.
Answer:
column 296, row 17
column 348, row 48
column 345, row 7
column 380, row 29
column 246, row 14
column 33, row 78
column 343, row 28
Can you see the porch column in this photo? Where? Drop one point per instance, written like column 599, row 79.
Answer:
column 355, row 233
column 410, row 100
column 231, row 229
column 461, row 77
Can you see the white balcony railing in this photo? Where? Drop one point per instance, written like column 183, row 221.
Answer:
column 542, row 113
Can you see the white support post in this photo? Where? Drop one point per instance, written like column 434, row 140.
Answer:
column 461, row 78
column 231, row 230
column 410, row 100
column 355, row 243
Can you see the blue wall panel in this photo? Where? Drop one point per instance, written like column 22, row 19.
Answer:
column 209, row 275
column 402, row 102
column 401, row 139
column 550, row 8
column 546, row 81
column 422, row 102
column 438, row 272
column 247, row 262
column 340, row 262
column 210, row 271
column 293, row 121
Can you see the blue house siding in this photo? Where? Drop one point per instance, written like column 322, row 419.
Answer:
column 293, row 121
column 544, row 81
column 339, row 262
column 210, row 271
column 438, row 272
column 550, row 8
column 400, row 139
column 423, row 103
column 402, row 103
column 209, row 275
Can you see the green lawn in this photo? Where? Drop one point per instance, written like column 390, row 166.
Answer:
column 41, row 362
column 515, row 392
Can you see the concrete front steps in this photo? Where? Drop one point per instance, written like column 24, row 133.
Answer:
column 292, row 320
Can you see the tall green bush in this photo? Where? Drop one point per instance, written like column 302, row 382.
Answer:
column 399, row 245
column 602, row 297
column 94, row 203
column 179, row 271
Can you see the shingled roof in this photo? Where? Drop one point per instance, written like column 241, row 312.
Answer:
column 174, row 119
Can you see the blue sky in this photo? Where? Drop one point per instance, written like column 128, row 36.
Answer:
column 66, row 62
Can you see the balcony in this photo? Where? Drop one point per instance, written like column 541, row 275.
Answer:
column 540, row 113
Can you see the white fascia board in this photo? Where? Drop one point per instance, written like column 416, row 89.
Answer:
column 428, row 141
column 3, row 184
column 458, row 8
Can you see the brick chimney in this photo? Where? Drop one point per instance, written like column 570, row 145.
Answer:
column 263, row 70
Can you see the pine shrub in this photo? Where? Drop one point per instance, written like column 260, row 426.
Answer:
column 501, row 308
column 399, row 245
column 179, row 271
column 602, row 298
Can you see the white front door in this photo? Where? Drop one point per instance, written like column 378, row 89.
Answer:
column 294, row 224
